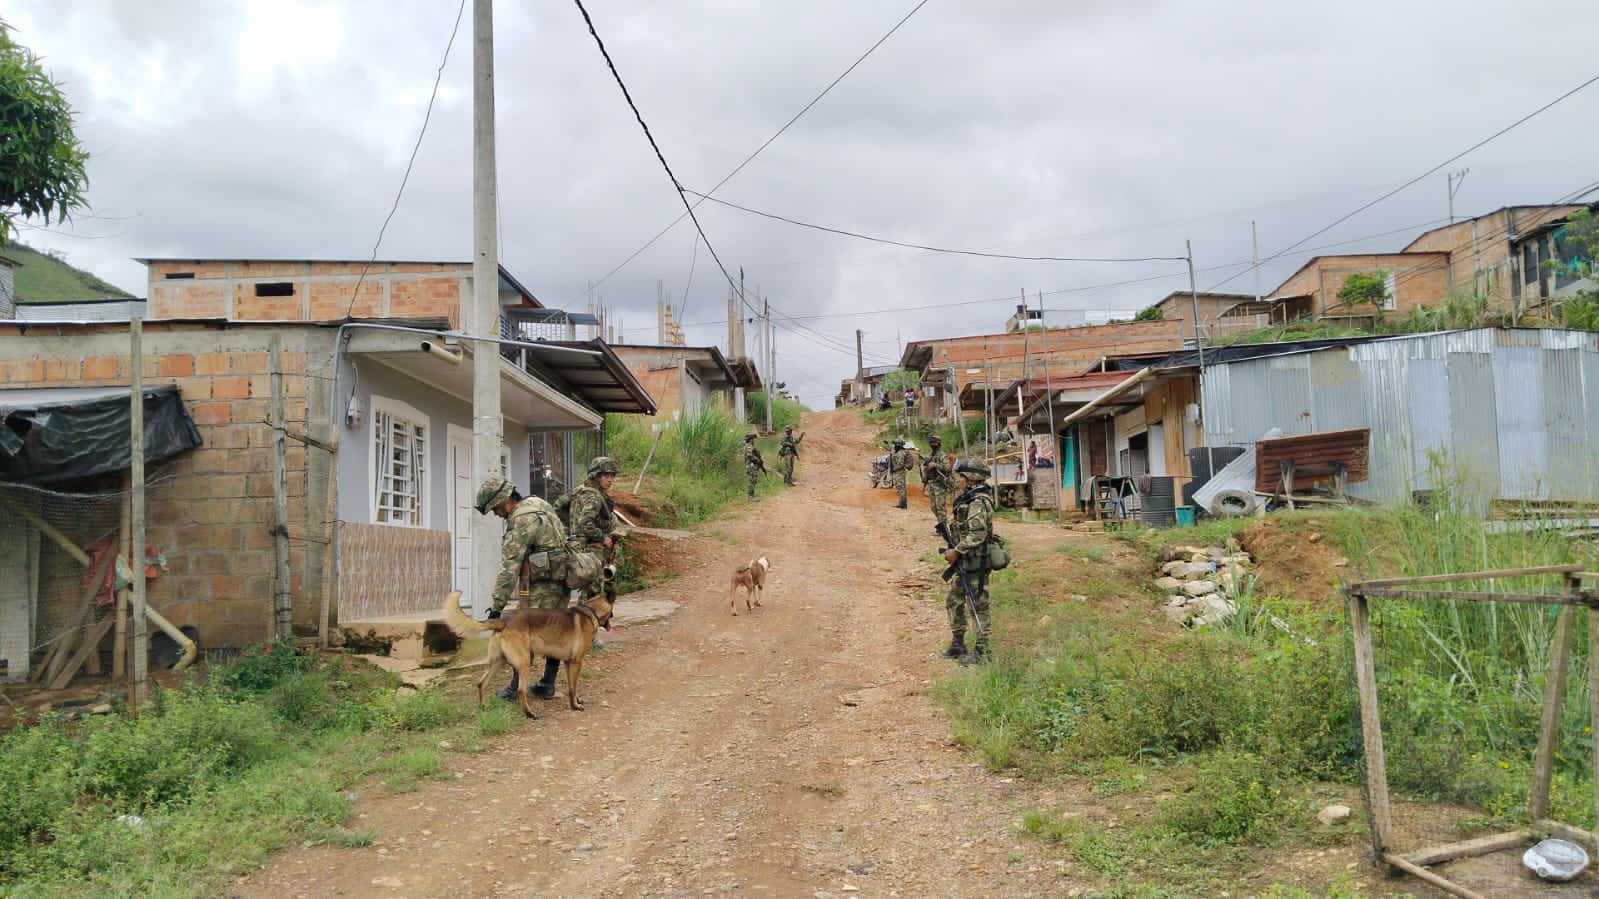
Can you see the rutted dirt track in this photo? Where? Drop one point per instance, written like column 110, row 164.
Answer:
column 792, row 751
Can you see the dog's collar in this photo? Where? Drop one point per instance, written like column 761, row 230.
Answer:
column 585, row 610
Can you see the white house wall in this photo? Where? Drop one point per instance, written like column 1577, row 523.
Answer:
column 441, row 409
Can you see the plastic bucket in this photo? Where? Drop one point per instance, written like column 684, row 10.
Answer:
column 1185, row 516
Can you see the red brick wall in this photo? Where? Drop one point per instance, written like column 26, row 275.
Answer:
column 1069, row 351
column 210, row 509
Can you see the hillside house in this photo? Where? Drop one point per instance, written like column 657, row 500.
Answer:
column 379, row 473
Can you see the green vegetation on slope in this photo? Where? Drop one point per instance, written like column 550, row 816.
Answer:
column 42, row 278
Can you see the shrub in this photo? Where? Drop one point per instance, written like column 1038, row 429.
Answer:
column 261, row 668
column 1238, row 798
column 38, row 782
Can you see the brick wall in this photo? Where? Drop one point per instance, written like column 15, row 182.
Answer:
column 1480, row 249
column 1069, row 351
column 210, row 509
column 1421, row 279
column 312, row 291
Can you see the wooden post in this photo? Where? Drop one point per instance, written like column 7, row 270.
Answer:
column 141, row 636
column 1549, row 727
column 1382, row 825
column 653, row 444
column 1593, row 702
column 282, row 601
column 119, row 640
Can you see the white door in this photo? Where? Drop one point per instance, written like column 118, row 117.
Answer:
column 462, row 493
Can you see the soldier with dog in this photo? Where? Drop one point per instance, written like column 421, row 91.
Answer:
column 534, row 538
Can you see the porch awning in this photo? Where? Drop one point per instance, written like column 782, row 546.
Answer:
column 60, row 433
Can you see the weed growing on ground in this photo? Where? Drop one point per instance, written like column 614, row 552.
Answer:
column 215, row 774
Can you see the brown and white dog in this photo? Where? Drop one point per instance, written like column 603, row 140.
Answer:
column 752, row 577
column 564, row 634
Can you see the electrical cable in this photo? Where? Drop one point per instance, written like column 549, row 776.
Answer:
column 916, row 246
column 676, row 184
column 404, row 179
column 1478, row 145
column 768, row 142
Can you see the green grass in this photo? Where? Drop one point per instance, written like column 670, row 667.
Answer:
column 44, row 279
column 698, row 469
column 214, row 775
column 1108, row 689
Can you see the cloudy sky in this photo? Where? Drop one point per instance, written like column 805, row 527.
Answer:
column 1101, row 128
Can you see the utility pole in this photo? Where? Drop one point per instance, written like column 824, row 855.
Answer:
column 1455, row 180
column 141, row 633
column 1199, row 347
column 860, row 366
column 771, row 384
column 486, row 426
column 1057, row 452
column 660, row 312
column 1254, row 258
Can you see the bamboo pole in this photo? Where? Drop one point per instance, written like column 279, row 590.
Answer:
column 1363, row 586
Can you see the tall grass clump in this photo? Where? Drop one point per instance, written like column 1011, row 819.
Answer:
column 698, row 466
column 785, row 412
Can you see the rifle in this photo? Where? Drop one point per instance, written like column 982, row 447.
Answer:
column 949, row 540
column 955, row 570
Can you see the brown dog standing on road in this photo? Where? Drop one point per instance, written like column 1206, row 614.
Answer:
column 752, row 578
column 564, row 634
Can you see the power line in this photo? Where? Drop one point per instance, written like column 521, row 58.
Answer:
column 768, row 142
column 1478, row 145
column 932, row 249
column 677, row 185
column 426, row 118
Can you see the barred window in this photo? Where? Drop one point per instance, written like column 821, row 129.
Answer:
column 399, row 463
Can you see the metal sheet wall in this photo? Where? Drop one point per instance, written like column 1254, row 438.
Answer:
column 1515, row 411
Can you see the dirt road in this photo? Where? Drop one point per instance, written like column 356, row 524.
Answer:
column 792, row 751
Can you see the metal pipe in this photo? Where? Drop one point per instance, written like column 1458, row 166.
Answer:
column 433, row 349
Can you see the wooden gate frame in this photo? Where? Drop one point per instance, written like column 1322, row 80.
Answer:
column 1379, row 812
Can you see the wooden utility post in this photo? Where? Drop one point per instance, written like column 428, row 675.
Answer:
column 141, row 635
column 282, row 600
column 766, row 331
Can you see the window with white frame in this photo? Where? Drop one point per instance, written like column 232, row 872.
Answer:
column 399, row 463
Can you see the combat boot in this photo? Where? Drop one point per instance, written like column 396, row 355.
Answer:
column 509, row 691
column 976, row 656
column 957, row 647
column 545, row 688
column 901, row 505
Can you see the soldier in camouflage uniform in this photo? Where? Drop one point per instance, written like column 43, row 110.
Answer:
column 937, row 479
column 788, row 452
column 591, row 515
column 533, row 535
column 899, row 464
column 973, row 519
column 754, row 465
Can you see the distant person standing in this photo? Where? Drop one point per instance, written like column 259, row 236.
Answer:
column 938, row 481
column 754, row 465
column 788, row 453
column 899, row 464
column 910, row 398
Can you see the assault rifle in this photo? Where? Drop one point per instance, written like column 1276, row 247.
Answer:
column 956, row 570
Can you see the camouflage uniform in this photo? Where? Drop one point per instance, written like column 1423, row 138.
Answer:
column 754, row 465
column 973, row 520
column 591, row 515
column 788, row 452
column 899, row 464
column 533, row 528
column 938, row 481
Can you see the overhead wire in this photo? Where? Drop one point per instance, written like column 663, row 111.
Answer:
column 768, row 142
column 676, row 184
column 932, row 249
column 1362, row 208
column 427, row 117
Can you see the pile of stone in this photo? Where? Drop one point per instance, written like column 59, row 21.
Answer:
column 1202, row 583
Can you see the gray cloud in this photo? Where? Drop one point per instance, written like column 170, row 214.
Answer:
column 1030, row 126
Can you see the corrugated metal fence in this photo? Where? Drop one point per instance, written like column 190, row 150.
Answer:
column 1516, row 411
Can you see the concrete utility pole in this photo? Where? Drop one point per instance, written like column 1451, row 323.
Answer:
column 1455, row 180
column 486, row 425
column 660, row 312
column 141, row 633
column 766, row 334
column 1199, row 348
column 860, row 366
column 1254, row 259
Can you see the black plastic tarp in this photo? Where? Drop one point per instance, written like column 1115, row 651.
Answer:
column 55, row 434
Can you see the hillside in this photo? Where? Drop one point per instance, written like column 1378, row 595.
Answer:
column 45, row 279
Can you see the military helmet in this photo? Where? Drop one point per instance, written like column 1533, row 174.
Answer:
column 898, row 443
column 973, row 471
column 603, row 465
column 934, row 442
column 493, row 492
column 788, row 429
column 748, row 437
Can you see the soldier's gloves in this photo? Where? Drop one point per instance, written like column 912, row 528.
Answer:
column 951, row 555
column 493, row 613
